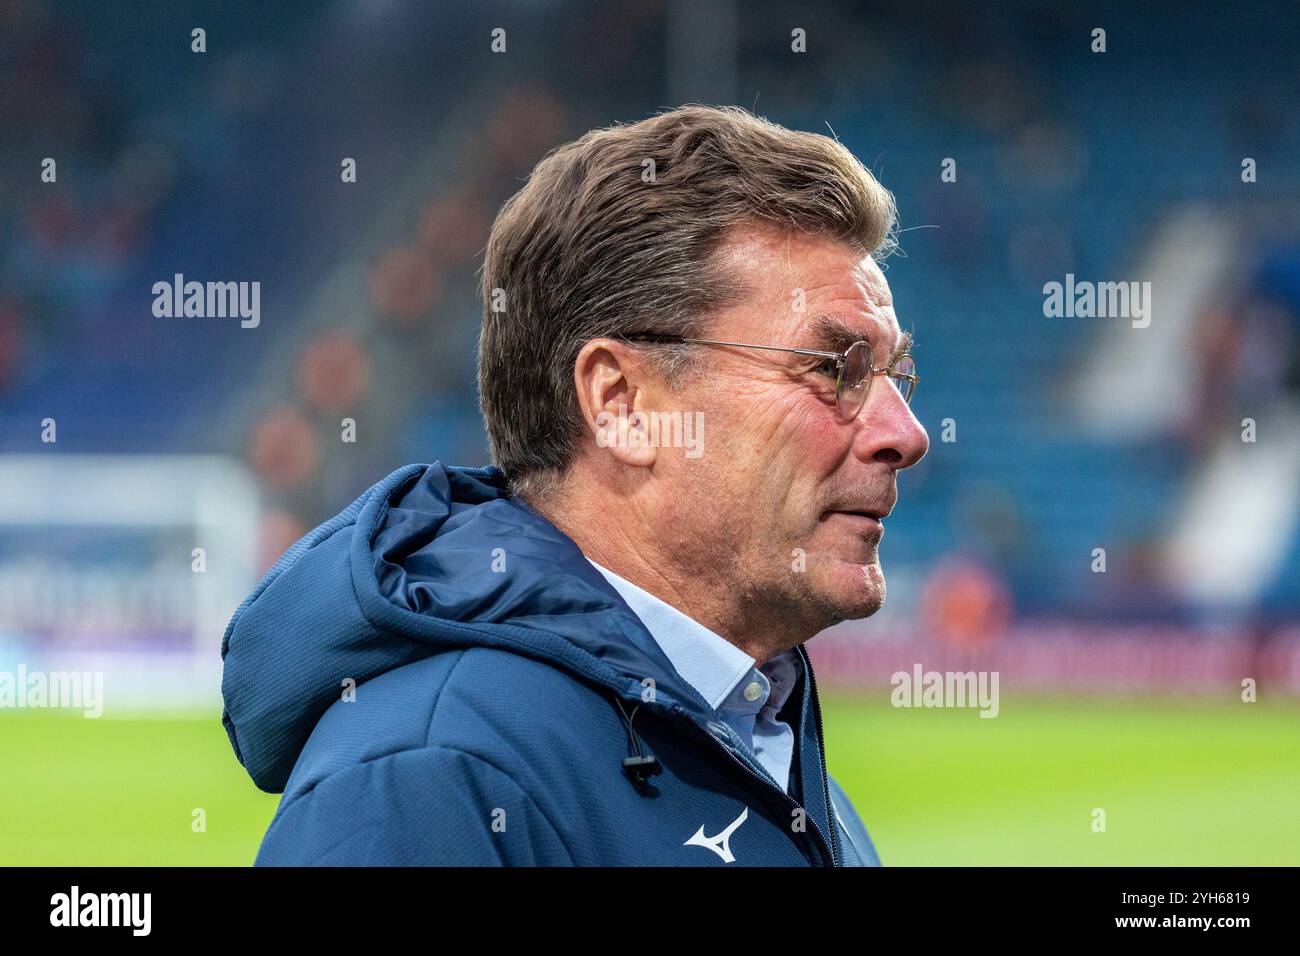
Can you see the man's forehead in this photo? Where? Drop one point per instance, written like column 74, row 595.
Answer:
column 843, row 299
column 811, row 286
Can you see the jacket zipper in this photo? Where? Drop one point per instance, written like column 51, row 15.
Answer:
column 785, row 798
column 821, row 748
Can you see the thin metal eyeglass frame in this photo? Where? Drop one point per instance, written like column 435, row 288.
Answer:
column 840, row 358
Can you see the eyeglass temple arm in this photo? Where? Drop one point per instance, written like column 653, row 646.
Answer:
column 742, row 345
column 876, row 369
column 666, row 337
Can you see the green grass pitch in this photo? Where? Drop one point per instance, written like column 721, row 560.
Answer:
column 1182, row 782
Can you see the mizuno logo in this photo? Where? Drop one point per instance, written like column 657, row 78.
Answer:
column 720, row 844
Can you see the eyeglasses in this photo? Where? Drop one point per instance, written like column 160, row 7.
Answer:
column 852, row 368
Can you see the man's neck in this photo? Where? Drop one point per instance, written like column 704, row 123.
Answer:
column 702, row 595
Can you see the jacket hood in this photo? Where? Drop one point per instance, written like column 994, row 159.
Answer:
column 429, row 560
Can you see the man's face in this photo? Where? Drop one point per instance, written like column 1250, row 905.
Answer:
column 787, row 496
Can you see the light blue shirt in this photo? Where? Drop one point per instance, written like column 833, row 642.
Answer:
column 746, row 698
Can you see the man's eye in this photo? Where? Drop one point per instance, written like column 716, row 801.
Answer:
column 828, row 367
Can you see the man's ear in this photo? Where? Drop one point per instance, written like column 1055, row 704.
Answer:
column 614, row 401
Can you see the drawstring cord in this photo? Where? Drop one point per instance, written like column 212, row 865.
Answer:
column 642, row 764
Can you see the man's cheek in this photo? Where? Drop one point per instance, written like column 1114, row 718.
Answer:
column 801, row 460
column 821, row 429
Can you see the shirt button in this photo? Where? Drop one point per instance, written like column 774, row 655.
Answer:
column 753, row 692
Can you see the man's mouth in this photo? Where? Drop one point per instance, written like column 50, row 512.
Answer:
column 871, row 521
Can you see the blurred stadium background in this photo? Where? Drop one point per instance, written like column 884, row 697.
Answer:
column 1120, row 690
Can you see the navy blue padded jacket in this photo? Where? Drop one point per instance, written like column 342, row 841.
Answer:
column 438, row 676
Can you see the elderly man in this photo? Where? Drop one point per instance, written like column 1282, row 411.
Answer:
column 592, row 653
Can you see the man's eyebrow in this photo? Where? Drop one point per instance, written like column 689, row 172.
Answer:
column 835, row 335
column 902, row 348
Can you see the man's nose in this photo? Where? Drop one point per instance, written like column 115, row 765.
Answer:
column 888, row 432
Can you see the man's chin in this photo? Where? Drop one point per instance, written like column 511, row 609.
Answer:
column 855, row 591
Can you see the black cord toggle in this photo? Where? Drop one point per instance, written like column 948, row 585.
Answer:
column 642, row 765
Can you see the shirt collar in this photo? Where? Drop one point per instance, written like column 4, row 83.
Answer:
column 710, row 663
